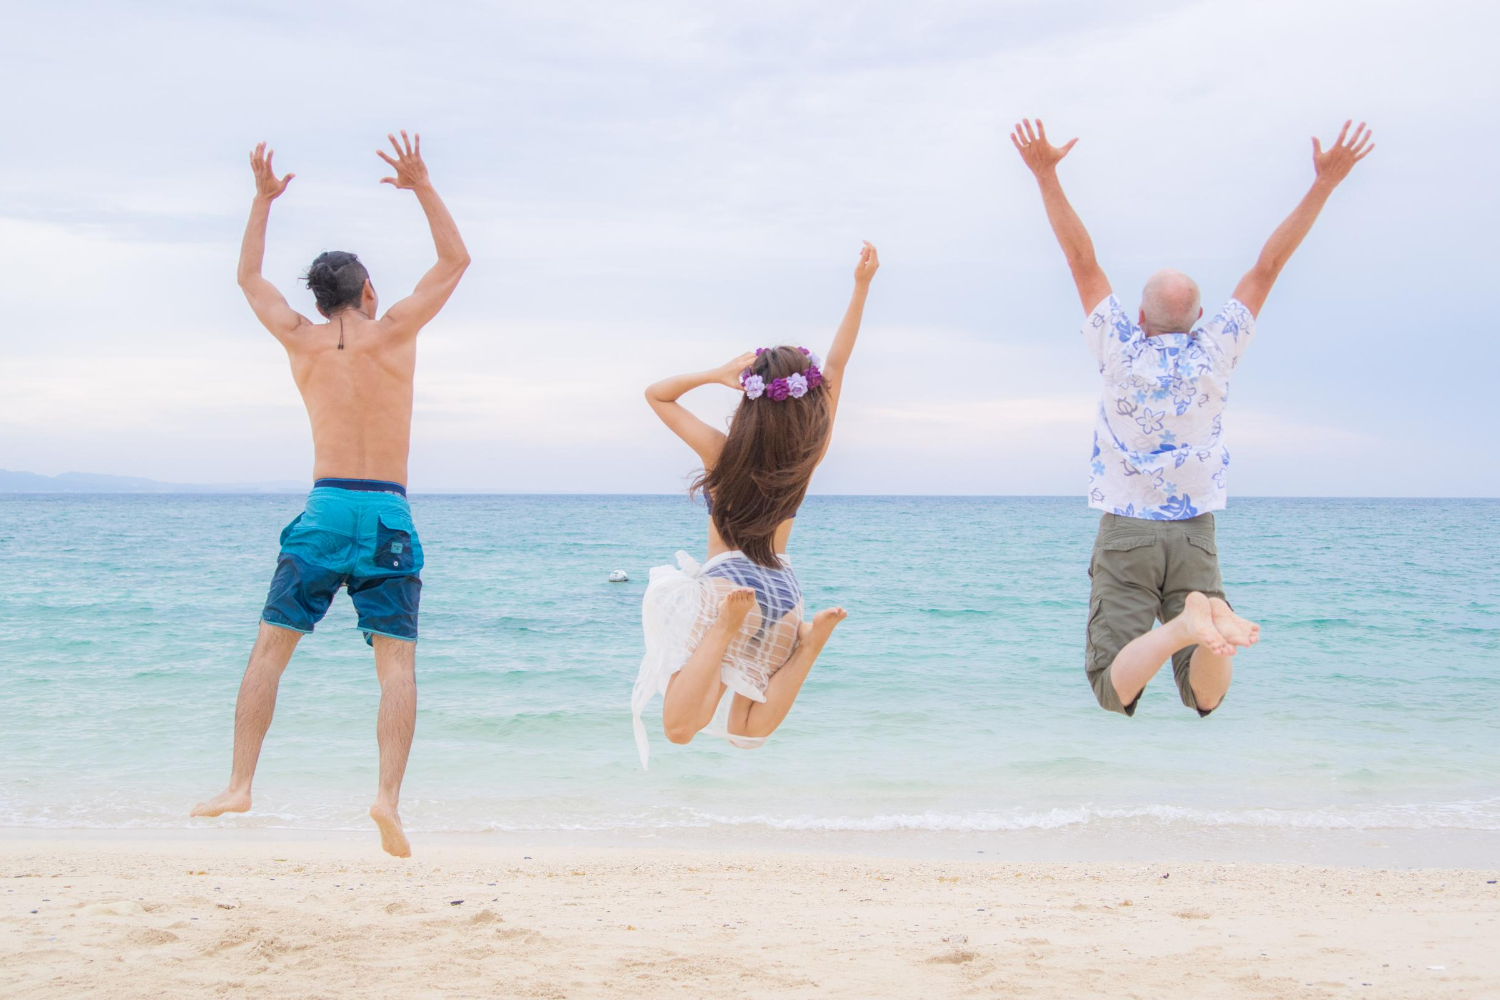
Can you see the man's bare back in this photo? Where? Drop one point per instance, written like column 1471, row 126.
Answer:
column 358, row 397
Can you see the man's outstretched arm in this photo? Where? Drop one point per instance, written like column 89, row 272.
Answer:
column 1042, row 157
column 270, row 306
column 432, row 292
column 1330, row 167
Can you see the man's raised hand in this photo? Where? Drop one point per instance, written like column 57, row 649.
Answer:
column 1039, row 154
column 410, row 170
column 266, row 184
column 1334, row 164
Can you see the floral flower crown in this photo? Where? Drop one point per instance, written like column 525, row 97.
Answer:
column 795, row 385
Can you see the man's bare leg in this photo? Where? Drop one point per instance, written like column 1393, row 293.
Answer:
column 760, row 719
column 396, row 667
column 252, row 716
column 1144, row 655
column 694, row 691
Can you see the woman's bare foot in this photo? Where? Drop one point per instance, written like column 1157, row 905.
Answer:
column 392, row 837
column 1197, row 624
column 817, row 631
column 227, row 801
column 1240, row 631
column 736, row 604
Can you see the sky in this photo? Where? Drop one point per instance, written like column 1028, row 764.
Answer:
column 651, row 188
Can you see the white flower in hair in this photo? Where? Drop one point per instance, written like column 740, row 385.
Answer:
column 754, row 386
column 796, row 385
column 813, row 357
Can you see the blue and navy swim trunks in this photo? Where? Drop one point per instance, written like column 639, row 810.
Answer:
column 354, row 533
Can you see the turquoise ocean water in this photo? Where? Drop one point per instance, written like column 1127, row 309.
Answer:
column 949, row 714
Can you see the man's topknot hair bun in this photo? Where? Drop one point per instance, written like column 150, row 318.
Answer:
column 337, row 280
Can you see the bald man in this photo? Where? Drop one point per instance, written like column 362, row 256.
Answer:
column 1159, row 459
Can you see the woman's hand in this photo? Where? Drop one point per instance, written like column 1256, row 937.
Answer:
column 869, row 263
column 729, row 372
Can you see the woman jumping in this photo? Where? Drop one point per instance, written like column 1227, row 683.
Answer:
column 735, row 622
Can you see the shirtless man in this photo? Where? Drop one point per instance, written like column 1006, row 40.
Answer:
column 1159, row 462
column 355, row 375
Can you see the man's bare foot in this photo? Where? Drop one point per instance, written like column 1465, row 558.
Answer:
column 817, row 631
column 227, row 801
column 1197, row 623
column 736, row 604
column 392, row 837
column 1240, row 631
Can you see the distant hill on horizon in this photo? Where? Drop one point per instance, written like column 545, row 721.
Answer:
column 93, row 482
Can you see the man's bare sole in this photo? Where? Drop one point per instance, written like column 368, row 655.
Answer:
column 1197, row 624
column 227, row 801
column 1240, row 631
column 392, row 837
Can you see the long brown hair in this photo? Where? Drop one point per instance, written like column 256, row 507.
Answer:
column 768, row 459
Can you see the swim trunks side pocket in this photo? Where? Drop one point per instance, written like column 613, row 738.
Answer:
column 397, row 549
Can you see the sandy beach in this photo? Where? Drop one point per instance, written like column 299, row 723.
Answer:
column 136, row 917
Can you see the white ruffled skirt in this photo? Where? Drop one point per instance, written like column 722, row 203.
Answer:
column 680, row 604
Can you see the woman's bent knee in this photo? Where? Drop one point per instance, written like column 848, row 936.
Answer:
column 680, row 734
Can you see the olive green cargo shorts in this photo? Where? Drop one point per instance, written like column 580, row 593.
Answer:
column 1142, row 572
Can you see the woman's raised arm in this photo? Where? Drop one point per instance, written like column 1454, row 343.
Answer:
column 664, row 395
column 848, row 331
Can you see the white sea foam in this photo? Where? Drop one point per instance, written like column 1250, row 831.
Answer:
column 1478, row 815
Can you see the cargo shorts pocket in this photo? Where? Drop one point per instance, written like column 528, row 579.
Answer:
column 1204, row 542
column 1121, row 558
column 1195, row 567
column 1101, row 646
column 1124, row 543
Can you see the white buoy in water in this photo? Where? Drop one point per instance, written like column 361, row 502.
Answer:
column 619, row 576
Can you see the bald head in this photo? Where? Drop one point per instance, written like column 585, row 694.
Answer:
column 1170, row 302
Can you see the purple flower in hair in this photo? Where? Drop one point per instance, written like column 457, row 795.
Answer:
column 778, row 389
column 796, row 386
column 817, row 361
column 754, row 386
column 814, row 376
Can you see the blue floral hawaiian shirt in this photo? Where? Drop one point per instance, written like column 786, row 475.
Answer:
column 1159, row 438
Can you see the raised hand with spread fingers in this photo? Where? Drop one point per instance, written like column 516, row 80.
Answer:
column 1039, row 154
column 1042, row 158
column 411, row 172
column 1330, row 167
column 266, row 184
column 1334, row 164
column 432, row 292
column 269, row 305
